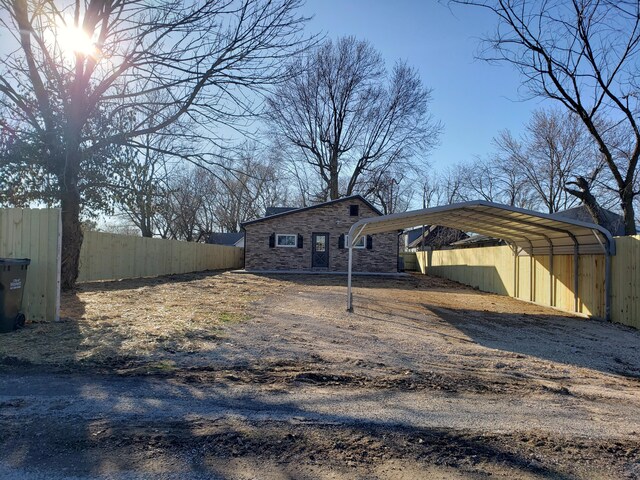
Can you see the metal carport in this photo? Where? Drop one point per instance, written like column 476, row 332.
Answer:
column 531, row 232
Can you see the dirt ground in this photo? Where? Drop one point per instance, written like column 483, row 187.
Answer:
column 222, row 375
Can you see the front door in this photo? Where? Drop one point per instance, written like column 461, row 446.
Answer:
column 320, row 250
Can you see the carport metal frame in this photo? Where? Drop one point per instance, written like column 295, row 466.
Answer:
column 486, row 217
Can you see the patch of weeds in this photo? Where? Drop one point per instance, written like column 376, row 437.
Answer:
column 228, row 317
column 161, row 366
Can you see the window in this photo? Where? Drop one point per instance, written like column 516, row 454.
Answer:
column 360, row 243
column 286, row 240
column 353, row 210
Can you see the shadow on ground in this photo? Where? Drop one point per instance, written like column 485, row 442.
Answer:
column 136, row 283
column 588, row 343
column 137, row 438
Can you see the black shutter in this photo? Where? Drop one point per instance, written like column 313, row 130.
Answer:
column 341, row 241
column 300, row 241
column 369, row 242
column 272, row 240
column 353, row 210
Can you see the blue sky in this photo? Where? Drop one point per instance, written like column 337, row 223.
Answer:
column 474, row 100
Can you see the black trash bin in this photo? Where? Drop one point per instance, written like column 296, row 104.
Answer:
column 13, row 275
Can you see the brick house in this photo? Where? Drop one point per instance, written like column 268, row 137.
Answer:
column 312, row 238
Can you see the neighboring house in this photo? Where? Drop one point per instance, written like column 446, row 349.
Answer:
column 434, row 237
column 613, row 222
column 312, row 238
column 475, row 241
column 410, row 235
column 229, row 239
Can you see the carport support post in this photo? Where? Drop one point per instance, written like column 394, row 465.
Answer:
column 607, row 286
column 349, row 296
column 551, row 278
column 532, row 276
column 609, row 249
column 576, row 272
column 515, row 271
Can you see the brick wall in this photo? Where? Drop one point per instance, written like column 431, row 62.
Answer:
column 333, row 219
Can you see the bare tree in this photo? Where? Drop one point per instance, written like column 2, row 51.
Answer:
column 491, row 179
column 186, row 198
column 452, row 187
column 243, row 191
column 429, row 190
column 481, row 181
column 348, row 118
column 198, row 201
column 80, row 79
column 142, row 189
column 582, row 54
column 554, row 149
column 393, row 191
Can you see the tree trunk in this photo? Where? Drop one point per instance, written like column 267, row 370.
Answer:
column 71, row 237
column 334, row 190
column 589, row 201
column 628, row 212
column 145, row 228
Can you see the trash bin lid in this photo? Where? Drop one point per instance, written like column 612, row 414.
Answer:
column 15, row 261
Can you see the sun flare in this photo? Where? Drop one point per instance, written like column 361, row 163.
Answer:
column 73, row 40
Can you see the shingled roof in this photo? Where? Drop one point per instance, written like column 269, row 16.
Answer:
column 290, row 211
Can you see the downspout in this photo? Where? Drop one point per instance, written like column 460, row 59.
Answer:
column 244, row 250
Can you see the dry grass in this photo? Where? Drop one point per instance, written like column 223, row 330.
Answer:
column 159, row 323
column 133, row 321
column 130, row 323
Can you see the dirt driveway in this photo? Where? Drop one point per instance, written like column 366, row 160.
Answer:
column 244, row 376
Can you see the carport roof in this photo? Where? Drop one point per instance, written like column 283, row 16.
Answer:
column 536, row 233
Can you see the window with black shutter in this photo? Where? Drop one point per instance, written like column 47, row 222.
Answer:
column 354, row 210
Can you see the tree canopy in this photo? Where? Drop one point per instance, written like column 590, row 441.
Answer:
column 350, row 120
column 88, row 78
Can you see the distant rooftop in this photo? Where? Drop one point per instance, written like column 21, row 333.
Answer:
column 613, row 222
column 437, row 236
column 276, row 210
column 478, row 241
column 224, row 238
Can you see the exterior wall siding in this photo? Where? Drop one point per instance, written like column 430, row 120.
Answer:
column 333, row 219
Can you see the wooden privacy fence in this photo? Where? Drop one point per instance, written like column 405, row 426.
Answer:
column 498, row 270
column 409, row 261
column 35, row 234
column 107, row 256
